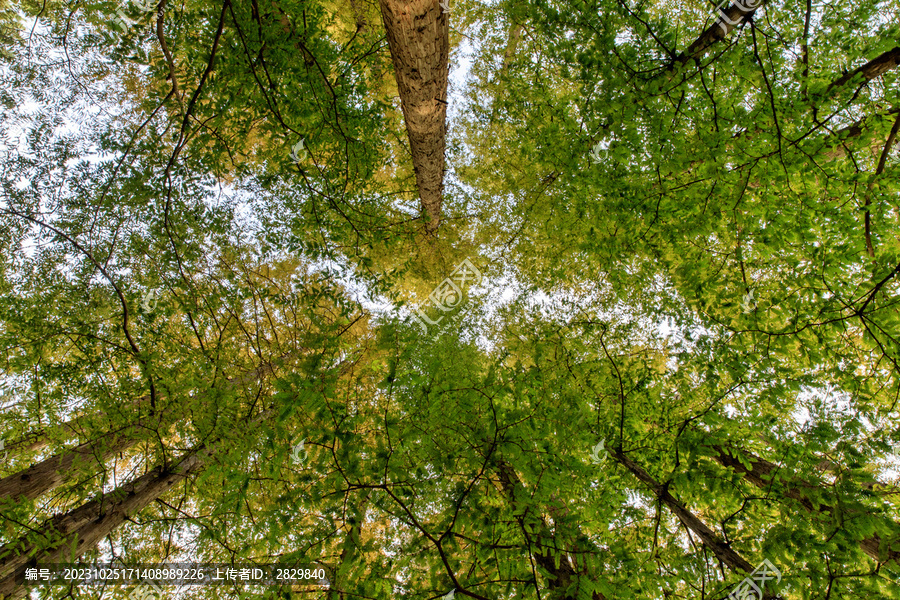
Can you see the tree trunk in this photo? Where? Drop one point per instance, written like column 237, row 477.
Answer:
column 39, row 479
column 48, row 474
column 514, row 34
column 37, row 440
column 762, row 474
column 418, row 33
column 874, row 68
column 722, row 550
column 70, row 535
column 361, row 25
column 855, row 130
column 563, row 575
column 77, row 531
column 725, row 22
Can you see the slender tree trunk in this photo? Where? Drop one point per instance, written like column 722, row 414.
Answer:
column 563, row 575
column 712, row 541
column 722, row 550
column 869, row 71
column 351, row 547
column 762, row 474
column 835, row 143
column 418, row 33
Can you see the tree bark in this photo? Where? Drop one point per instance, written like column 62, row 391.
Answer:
column 44, row 476
column 762, row 474
column 418, row 33
column 563, row 575
column 734, row 15
column 872, row 69
column 68, row 536
column 77, row 531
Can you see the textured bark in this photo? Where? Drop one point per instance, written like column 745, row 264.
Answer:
column 722, row 550
column 762, row 474
column 543, row 556
column 872, row 69
column 68, row 536
column 418, row 33
column 42, row 477
column 734, row 16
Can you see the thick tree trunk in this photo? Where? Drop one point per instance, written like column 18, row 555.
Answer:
column 39, row 479
column 40, row 439
column 418, row 33
column 762, row 474
column 71, row 534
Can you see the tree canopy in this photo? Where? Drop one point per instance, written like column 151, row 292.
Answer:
column 554, row 300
